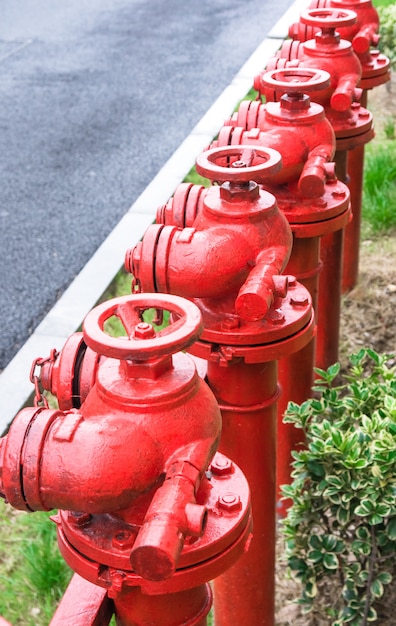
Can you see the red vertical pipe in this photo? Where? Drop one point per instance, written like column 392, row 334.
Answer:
column 329, row 300
column 247, row 394
column 185, row 608
column 305, row 264
column 353, row 171
column 296, row 372
column 330, row 284
column 352, row 231
column 341, row 161
column 296, row 376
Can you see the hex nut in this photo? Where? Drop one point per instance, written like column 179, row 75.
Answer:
column 143, row 330
column 221, row 466
column 79, row 518
column 122, row 540
column 229, row 502
column 299, row 300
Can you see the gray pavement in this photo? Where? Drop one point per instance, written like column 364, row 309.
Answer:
column 103, row 111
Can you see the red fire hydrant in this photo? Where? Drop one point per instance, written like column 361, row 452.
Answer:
column 351, row 122
column 315, row 204
column 148, row 510
column 294, row 126
column 363, row 34
column 375, row 71
column 314, row 201
column 229, row 262
column 326, row 51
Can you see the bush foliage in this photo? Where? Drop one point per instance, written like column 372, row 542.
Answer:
column 340, row 530
column 387, row 44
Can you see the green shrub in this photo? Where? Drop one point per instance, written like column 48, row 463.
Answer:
column 387, row 44
column 340, row 530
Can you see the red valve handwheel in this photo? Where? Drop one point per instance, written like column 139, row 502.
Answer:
column 142, row 342
column 296, row 80
column 232, row 163
column 328, row 18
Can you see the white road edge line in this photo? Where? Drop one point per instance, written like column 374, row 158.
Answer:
column 88, row 286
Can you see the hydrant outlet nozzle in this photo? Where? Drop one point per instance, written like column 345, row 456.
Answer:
column 257, row 82
column 314, row 176
column 365, row 38
column 158, row 546
column 257, row 294
column 172, row 516
column 157, row 550
column 345, row 93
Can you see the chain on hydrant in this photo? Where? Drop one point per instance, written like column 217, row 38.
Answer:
column 131, row 464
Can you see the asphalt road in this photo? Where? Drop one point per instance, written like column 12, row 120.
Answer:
column 95, row 97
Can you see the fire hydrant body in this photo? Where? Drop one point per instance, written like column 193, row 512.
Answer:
column 139, row 513
column 363, row 34
column 352, row 125
column 351, row 122
column 229, row 262
column 226, row 250
column 315, row 204
column 314, row 201
column 375, row 71
column 293, row 125
column 328, row 52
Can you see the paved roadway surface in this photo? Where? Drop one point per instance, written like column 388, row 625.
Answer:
column 96, row 95
column 105, row 106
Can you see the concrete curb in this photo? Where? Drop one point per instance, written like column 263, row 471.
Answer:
column 88, row 286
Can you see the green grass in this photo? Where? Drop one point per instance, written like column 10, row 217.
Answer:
column 379, row 187
column 389, row 128
column 379, row 190
column 33, row 575
column 383, row 3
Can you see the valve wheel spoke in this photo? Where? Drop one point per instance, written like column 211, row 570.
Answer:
column 129, row 316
